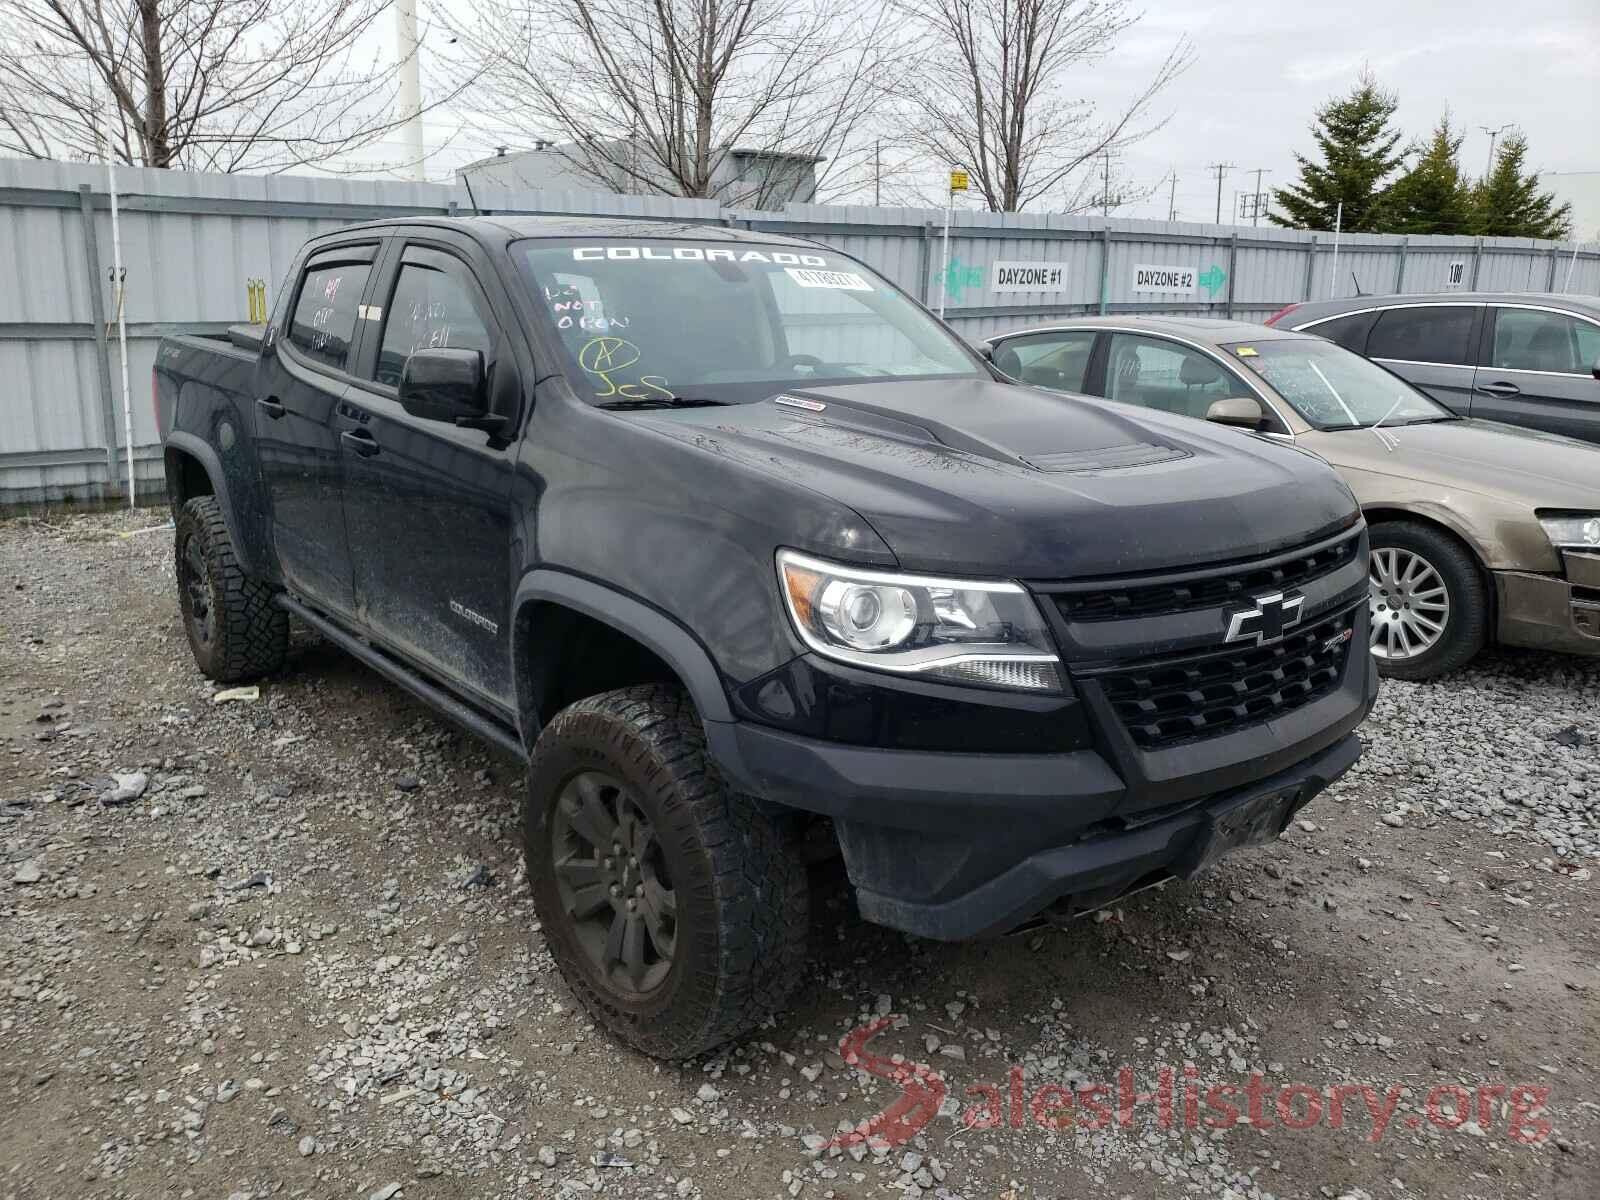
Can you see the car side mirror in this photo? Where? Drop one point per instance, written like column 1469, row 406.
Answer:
column 986, row 352
column 1243, row 412
column 1595, row 370
column 439, row 384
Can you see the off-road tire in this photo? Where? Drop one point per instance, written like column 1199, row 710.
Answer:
column 742, row 893
column 1467, row 629
column 247, row 635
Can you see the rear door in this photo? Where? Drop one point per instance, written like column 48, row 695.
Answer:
column 1537, row 370
column 428, row 503
column 1432, row 346
column 303, row 375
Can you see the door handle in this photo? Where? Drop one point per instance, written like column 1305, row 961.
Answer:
column 359, row 440
column 271, row 407
column 1499, row 389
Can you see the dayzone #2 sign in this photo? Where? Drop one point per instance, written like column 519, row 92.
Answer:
column 1176, row 280
column 1029, row 277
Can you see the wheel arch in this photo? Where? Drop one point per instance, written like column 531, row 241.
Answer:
column 572, row 637
column 193, row 469
column 1381, row 514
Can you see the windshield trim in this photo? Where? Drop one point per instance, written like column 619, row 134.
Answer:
column 518, row 250
column 1442, row 413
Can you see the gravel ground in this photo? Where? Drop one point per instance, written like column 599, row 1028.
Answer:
column 284, row 947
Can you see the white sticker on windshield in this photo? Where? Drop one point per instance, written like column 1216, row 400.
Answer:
column 844, row 281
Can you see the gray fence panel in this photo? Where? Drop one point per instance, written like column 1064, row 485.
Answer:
column 192, row 242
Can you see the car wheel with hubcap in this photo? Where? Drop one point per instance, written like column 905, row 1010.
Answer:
column 675, row 908
column 1428, row 607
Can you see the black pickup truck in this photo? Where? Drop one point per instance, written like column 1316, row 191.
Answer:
column 746, row 553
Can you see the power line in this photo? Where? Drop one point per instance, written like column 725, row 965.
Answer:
column 1221, row 169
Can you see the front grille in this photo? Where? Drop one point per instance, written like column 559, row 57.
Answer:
column 1115, row 602
column 1174, row 699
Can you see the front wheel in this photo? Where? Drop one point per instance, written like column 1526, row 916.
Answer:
column 1430, row 614
column 675, row 909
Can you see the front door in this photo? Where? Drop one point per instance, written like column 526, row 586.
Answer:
column 1538, row 371
column 427, row 504
column 302, row 378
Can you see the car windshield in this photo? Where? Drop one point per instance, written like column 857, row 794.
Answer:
column 727, row 322
column 1335, row 388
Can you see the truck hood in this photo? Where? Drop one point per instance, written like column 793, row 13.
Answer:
column 1526, row 466
column 980, row 477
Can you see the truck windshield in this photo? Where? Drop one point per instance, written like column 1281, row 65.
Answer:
column 727, row 322
column 1335, row 388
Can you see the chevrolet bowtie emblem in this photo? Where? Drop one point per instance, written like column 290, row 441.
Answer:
column 1267, row 622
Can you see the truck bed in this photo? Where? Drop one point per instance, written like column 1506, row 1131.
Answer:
column 224, row 361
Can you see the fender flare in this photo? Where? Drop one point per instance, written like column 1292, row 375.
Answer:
column 188, row 443
column 654, row 630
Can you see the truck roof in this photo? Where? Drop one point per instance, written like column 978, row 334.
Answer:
column 509, row 227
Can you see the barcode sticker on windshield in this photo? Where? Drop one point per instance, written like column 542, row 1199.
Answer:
column 844, row 281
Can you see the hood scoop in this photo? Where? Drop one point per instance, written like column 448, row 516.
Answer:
column 1123, row 457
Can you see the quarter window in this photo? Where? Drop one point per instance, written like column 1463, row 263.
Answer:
column 1349, row 332
column 1048, row 360
column 432, row 307
column 324, row 321
column 1424, row 333
column 1528, row 340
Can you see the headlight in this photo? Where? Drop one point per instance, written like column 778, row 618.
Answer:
column 1578, row 531
column 964, row 631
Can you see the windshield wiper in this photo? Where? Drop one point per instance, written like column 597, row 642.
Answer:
column 665, row 402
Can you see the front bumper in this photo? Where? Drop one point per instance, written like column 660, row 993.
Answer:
column 954, row 846
column 1547, row 612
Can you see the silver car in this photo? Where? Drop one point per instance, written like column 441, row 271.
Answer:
column 1522, row 358
column 1480, row 531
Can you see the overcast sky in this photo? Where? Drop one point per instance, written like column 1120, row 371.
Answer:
column 1261, row 70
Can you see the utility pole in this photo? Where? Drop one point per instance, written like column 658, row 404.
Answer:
column 1105, row 205
column 1221, row 169
column 1255, row 205
column 877, row 172
column 1172, row 196
column 1494, row 135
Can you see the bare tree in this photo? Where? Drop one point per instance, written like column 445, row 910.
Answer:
column 1002, row 108
column 656, row 96
column 217, row 85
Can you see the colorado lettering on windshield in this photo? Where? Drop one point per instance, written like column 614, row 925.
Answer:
column 696, row 254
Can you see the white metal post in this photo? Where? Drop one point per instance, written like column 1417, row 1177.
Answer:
column 120, row 292
column 944, row 261
column 1571, row 263
column 410, row 52
column 1338, row 224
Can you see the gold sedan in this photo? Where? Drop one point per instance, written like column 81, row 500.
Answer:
column 1481, row 532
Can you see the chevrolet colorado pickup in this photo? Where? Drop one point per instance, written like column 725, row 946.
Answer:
column 744, row 552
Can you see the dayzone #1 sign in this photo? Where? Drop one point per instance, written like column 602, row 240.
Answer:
column 1177, row 280
column 1029, row 277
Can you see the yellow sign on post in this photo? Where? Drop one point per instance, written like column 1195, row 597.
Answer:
column 958, row 181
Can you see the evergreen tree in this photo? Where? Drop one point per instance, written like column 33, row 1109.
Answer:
column 1509, row 203
column 1432, row 196
column 1358, row 156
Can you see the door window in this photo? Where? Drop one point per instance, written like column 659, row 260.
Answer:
column 1424, row 333
column 434, row 305
column 1528, row 340
column 1047, row 360
column 1155, row 373
column 324, row 321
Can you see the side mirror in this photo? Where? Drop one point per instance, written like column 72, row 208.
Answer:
column 445, row 385
column 986, row 352
column 1243, row 412
column 1595, row 370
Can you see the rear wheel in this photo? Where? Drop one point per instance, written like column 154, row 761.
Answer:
column 675, row 909
column 235, row 630
column 1430, row 614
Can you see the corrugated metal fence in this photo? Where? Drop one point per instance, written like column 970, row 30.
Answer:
column 191, row 244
